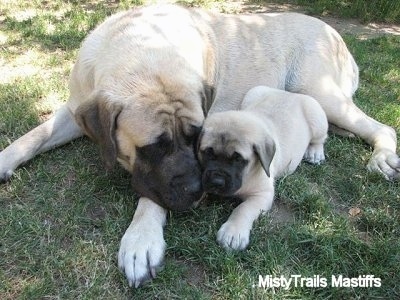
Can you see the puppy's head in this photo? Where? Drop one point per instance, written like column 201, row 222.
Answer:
column 152, row 132
column 231, row 148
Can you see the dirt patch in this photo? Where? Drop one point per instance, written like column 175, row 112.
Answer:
column 193, row 274
column 343, row 26
column 362, row 31
column 281, row 213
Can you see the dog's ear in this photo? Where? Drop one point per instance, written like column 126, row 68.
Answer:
column 97, row 117
column 265, row 152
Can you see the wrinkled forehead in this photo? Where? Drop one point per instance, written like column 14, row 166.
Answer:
column 143, row 123
column 179, row 118
column 225, row 141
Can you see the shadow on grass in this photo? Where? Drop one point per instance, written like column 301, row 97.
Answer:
column 64, row 31
column 17, row 110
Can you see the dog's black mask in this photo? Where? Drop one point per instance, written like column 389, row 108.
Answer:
column 168, row 172
column 222, row 174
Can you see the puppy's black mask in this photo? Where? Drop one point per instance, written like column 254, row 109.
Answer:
column 222, row 174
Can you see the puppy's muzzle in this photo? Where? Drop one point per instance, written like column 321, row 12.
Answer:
column 216, row 182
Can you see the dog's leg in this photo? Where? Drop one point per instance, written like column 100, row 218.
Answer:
column 58, row 130
column 340, row 131
column 342, row 112
column 234, row 234
column 142, row 247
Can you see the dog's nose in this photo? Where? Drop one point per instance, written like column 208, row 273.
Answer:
column 192, row 187
column 186, row 184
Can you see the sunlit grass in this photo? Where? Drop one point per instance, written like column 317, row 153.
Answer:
column 62, row 216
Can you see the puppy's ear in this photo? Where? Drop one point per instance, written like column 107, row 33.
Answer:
column 265, row 152
column 97, row 117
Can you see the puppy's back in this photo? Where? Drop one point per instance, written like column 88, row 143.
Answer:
column 292, row 120
column 280, row 106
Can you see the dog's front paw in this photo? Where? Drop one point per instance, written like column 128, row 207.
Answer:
column 232, row 236
column 385, row 162
column 5, row 175
column 141, row 254
column 315, row 154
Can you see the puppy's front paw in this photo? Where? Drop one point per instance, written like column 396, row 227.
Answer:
column 232, row 236
column 315, row 154
column 385, row 162
column 141, row 254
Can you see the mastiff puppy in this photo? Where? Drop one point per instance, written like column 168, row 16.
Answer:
column 145, row 79
column 243, row 152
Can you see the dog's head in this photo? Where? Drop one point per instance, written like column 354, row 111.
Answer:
column 231, row 147
column 152, row 132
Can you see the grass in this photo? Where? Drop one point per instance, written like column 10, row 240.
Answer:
column 62, row 216
column 367, row 11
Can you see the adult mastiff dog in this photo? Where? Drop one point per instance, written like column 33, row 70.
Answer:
column 145, row 79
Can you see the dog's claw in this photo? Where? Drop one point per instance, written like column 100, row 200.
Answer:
column 140, row 256
column 137, row 284
column 153, row 273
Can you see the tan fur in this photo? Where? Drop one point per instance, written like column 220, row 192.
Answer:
column 294, row 125
column 163, row 65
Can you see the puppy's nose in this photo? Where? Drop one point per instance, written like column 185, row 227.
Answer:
column 217, row 181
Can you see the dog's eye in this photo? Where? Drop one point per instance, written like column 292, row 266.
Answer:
column 192, row 134
column 157, row 150
column 194, row 130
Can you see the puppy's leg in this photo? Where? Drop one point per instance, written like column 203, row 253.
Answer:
column 234, row 234
column 142, row 247
column 319, row 128
column 315, row 153
column 58, row 130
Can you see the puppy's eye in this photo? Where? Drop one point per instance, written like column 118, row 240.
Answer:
column 236, row 157
column 209, row 154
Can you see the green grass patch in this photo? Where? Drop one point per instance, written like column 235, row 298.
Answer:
column 62, row 216
column 387, row 11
